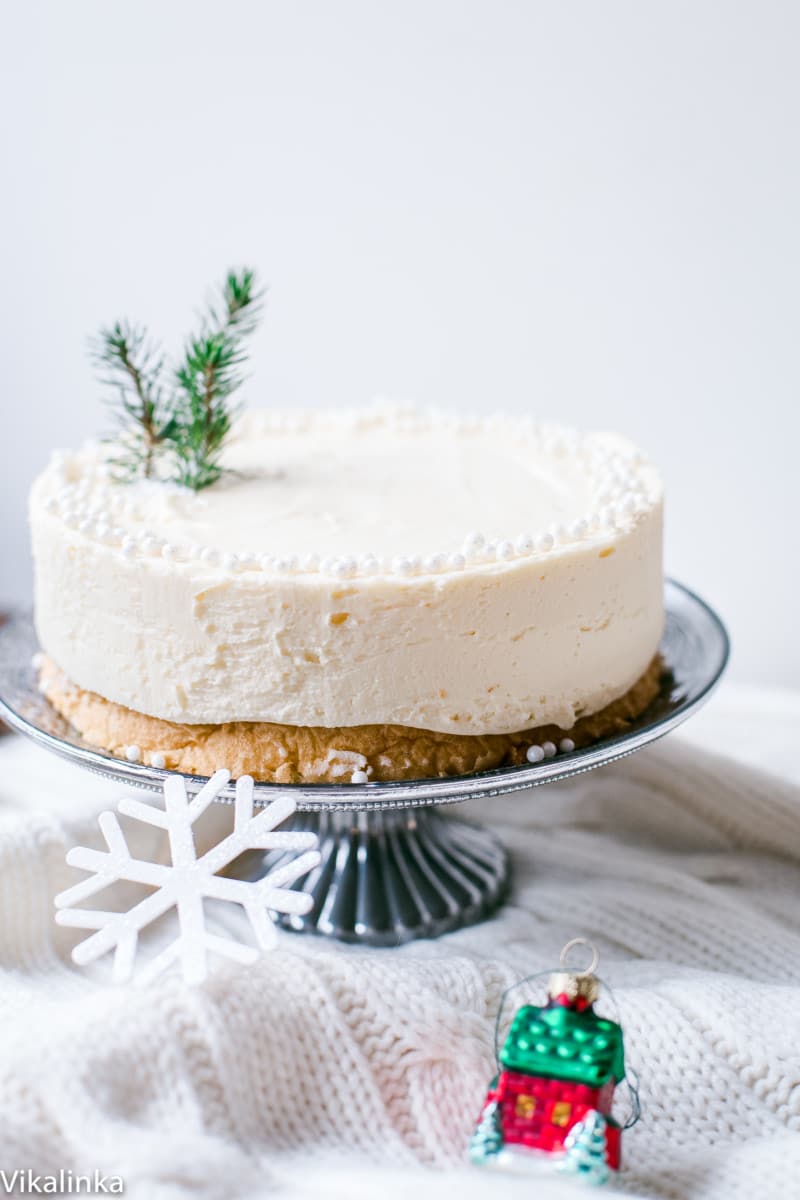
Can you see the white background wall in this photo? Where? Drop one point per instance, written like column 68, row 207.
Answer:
column 589, row 209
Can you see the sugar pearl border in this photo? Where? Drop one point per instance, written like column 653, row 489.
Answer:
column 619, row 495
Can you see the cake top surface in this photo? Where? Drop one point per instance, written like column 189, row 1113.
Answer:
column 374, row 491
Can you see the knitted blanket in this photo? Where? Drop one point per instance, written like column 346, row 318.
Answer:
column 327, row 1071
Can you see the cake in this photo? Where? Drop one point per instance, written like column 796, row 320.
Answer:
column 375, row 595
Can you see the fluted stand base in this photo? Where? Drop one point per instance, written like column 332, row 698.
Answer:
column 391, row 876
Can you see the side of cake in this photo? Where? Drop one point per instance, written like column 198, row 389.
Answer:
column 354, row 585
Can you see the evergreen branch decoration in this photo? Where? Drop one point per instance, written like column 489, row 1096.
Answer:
column 177, row 432
column 208, row 377
column 131, row 365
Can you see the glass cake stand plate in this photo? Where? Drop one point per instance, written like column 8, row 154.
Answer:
column 393, row 868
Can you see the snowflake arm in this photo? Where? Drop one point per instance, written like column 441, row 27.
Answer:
column 187, row 881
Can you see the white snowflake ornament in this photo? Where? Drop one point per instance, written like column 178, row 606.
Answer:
column 184, row 883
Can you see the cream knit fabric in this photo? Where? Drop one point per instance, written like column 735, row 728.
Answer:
column 326, row 1071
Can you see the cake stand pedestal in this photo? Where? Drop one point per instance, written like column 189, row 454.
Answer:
column 390, row 877
column 393, row 868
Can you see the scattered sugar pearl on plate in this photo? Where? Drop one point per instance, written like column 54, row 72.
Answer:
column 359, row 777
column 534, row 754
column 549, row 749
column 566, row 745
column 157, row 759
column 37, row 662
column 133, row 754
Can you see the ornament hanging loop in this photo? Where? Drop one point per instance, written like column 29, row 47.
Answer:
column 571, row 945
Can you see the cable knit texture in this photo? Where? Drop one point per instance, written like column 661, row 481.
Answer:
column 328, row 1071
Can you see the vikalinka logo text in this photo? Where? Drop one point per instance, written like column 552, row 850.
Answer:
column 63, row 1183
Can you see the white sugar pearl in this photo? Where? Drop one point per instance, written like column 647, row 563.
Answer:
column 504, row 551
column 359, row 777
column 608, row 518
column 210, row 556
column 158, row 760
column 474, row 542
column 51, row 505
column 456, row 562
column 230, row 562
column 534, row 754
column 545, row 542
column 344, row 568
column 579, row 529
column 169, row 552
column 309, row 562
column 133, row 754
column 37, row 662
column 435, row 563
column 87, row 526
column 128, row 547
column 566, row 745
column 628, row 503
column 402, row 566
column 247, row 560
column 549, row 749
column 560, row 533
column 524, row 543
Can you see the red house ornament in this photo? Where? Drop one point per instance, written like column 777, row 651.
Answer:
column 559, row 1067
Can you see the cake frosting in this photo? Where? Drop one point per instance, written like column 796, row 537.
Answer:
column 387, row 566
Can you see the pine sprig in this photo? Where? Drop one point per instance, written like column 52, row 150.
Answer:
column 131, row 364
column 178, row 431
column 209, row 375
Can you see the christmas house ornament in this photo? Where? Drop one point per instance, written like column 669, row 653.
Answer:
column 186, row 881
column 558, row 1069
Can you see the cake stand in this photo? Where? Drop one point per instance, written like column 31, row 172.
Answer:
column 393, row 867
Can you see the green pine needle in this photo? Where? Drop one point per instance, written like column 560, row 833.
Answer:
column 131, row 364
column 209, row 375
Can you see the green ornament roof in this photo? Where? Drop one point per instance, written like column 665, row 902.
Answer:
column 560, row 1043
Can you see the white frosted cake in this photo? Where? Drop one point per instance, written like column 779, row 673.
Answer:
column 382, row 594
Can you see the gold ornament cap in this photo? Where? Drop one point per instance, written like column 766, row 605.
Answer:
column 575, row 985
